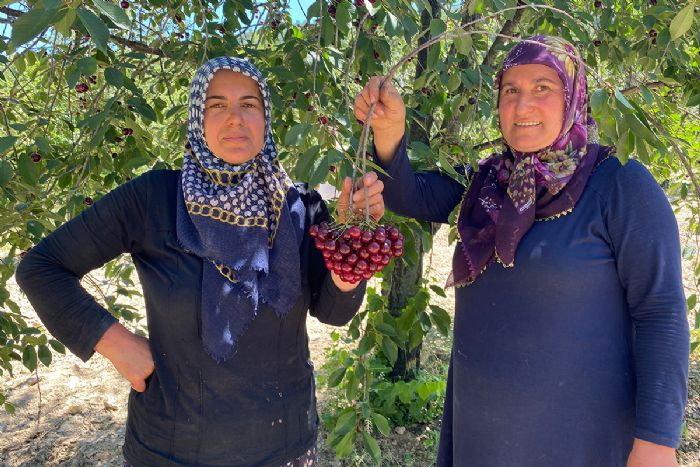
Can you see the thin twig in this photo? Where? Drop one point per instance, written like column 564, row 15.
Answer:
column 38, row 388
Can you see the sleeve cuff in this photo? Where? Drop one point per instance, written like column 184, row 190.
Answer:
column 671, row 442
column 400, row 157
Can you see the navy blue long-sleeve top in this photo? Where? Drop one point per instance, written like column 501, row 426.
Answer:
column 256, row 408
column 580, row 347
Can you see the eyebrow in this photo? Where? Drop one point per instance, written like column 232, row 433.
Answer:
column 538, row 80
column 242, row 98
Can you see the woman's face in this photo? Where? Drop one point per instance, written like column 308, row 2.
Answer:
column 234, row 117
column 531, row 107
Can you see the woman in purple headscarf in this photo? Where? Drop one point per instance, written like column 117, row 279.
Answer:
column 570, row 332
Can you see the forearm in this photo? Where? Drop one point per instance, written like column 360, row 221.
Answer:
column 430, row 196
column 646, row 454
column 69, row 313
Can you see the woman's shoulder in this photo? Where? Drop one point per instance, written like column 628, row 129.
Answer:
column 625, row 184
column 158, row 177
column 613, row 174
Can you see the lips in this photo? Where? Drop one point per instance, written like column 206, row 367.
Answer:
column 234, row 138
column 527, row 124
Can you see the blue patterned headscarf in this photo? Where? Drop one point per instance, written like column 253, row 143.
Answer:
column 240, row 220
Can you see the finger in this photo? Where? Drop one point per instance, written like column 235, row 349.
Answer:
column 361, row 110
column 378, row 213
column 389, row 92
column 367, row 179
column 139, row 386
column 343, row 203
column 373, row 192
column 373, row 87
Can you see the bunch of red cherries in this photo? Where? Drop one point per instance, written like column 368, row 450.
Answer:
column 355, row 253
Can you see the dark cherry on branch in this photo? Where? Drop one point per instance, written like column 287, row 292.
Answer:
column 355, row 253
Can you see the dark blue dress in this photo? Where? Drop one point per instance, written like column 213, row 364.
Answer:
column 565, row 358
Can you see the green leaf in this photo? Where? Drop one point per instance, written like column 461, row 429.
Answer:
column 647, row 95
column 392, row 26
column 44, row 355
column 691, row 301
column 6, row 173
column 346, row 422
column 415, row 336
column 99, row 33
column 623, row 100
column 114, row 12
column 6, row 143
column 31, row 24
column 29, row 359
column 441, row 319
column 463, row 44
column 114, row 77
column 390, row 349
column 454, row 82
column 296, row 134
column 336, row 377
column 381, row 423
column 437, row 27
column 57, row 346
column 372, row 447
column 438, row 290
column 346, row 445
column 598, row 100
column 385, row 329
column 28, row 170
column 9, row 408
column 343, row 17
column 623, row 146
column 175, row 109
column 64, row 24
column 694, row 100
column 86, row 66
column 366, row 344
column 306, row 164
column 683, row 21
column 143, row 108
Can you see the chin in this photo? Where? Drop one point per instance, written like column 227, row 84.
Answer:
column 528, row 146
column 235, row 159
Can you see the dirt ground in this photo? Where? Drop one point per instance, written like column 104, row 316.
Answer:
column 73, row 413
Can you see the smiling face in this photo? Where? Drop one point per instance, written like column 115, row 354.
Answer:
column 531, row 107
column 234, row 117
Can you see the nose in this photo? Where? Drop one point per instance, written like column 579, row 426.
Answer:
column 524, row 103
column 234, row 115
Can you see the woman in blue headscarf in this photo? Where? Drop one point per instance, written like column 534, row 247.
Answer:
column 570, row 330
column 228, row 272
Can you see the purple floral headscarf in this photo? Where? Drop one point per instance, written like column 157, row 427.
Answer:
column 513, row 189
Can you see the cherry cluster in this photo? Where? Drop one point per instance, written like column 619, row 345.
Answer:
column 355, row 253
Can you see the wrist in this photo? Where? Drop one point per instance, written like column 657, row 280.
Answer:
column 112, row 339
column 646, row 453
column 386, row 143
